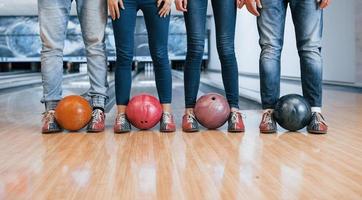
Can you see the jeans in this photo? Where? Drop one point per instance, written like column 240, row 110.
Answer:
column 225, row 19
column 53, row 20
column 308, row 24
column 157, row 29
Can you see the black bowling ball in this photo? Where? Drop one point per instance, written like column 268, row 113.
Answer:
column 292, row 112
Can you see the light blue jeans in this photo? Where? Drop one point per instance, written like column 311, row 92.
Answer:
column 308, row 24
column 53, row 20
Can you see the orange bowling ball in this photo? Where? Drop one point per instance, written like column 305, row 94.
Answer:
column 73, row 113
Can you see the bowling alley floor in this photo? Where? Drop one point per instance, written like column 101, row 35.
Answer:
column 153, row 165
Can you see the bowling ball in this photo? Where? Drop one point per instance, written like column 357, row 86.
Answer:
column 73, row 113
column 292, row 112
column 144, row 111
column 212, row 110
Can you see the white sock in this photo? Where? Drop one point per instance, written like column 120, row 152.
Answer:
column 267, row 110
column 316, row 109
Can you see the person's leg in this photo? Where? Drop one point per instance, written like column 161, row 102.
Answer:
column 195, row 21
column 157, row 28
column 53, row 19
column 124, row 28
column 271, row 23
column 308, row 24
column 225, row 21
column 92, row 15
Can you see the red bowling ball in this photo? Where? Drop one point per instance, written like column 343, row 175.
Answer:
column 212, row 110
column 144, row 111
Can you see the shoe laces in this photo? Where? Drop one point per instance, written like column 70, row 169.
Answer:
column 319, row 118
column 96, row 115
column 167, row 118
column 121, row 119
column 190, row 118
column 235, row 115
column 267, row 117
column 49, row 116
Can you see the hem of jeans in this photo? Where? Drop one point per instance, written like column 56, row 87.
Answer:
column 99, row 101
column 316, row 105
column 190, row 106
column 51, row 105
column 234, row 106
column 165, row 102
column 264, row 107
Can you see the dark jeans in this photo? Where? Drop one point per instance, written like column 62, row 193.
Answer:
column 308, row 24
column 157, row 28
column 195, row 19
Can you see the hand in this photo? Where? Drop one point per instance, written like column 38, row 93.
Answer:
column 240, row 3
column 324, row 3
column 165, row 9
column 181, row 5
column 252, row 6
column 113, row 7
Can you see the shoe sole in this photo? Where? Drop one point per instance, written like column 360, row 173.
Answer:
column 268, row 132
column 51, row 132
column 120, row 132
column 190, row 130
column 237, row 131
column 167, row 131
column 95, row 131
column 317, row 132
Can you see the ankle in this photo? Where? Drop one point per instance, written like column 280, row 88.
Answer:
column 268, row 110
column 189, row 111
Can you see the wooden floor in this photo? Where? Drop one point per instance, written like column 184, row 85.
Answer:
column 204, row 165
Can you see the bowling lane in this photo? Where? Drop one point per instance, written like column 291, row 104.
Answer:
column 152, row 165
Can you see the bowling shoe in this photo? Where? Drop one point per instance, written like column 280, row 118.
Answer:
column 167, row 123
column 317, row 124
column 235, row 122
column 122, row 124
column 268, row 124
column 189, row 123
column 97, row 122
column 50, row 125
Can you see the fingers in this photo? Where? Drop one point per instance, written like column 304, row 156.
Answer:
column 258, row 4
column 184, row 2
column 116, row 9
column 159, row 3
column 251, row 6
column 323, row 3
column 180, row 6
column 121, row 4
column 165, row 10
column 111, row 10
column 240, row 3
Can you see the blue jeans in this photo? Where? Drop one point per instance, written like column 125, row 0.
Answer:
column 195, row 19
column 157, row 29
column 53, row 20
column 308, row 24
